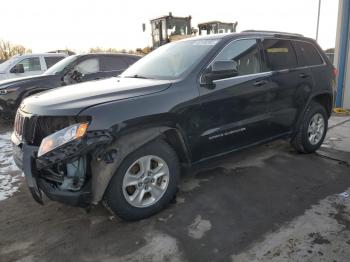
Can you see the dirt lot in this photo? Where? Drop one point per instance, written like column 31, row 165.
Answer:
column 263, row 204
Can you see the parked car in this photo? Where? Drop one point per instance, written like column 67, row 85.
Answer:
column 28, row 65
column 71, row 70
column 123, row 140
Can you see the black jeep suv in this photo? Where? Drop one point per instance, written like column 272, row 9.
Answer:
column 71, row 70
column 122, row 140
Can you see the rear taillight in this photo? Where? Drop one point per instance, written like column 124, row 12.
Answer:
column 335, row 72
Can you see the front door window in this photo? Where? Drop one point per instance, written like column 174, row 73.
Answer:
column 31, row 64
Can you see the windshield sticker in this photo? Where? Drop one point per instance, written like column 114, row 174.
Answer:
column 205, row 42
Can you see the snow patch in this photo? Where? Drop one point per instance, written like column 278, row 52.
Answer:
column 199, row 227
column 9, row 173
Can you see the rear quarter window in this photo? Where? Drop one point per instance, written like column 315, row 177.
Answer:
column 307, row 54
column 279, row 54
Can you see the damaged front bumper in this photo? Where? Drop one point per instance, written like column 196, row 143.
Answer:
column 37, row 175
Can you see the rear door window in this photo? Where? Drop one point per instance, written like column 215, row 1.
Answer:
column 279, row 54
column 307, row 54
column 113, row 63
column 51, row 60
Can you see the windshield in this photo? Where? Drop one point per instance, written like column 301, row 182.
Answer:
column 5, row 65
column 171, row 60
column 60, row 66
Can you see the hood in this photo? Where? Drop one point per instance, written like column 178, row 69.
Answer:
column 72, row 99
column 22, row 80
column 2, row 76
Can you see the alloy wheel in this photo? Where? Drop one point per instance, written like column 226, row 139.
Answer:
column 146, row 181
column 316, row 129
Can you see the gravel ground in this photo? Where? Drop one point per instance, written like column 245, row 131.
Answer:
column 262, row 204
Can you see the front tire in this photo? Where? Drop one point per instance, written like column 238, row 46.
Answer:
column 312, row 130
column 145, row 182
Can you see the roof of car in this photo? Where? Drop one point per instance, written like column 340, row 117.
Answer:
column 248, row 33
column 109, row 54
column 42, row 54
column 216, row 22
column 267, row 32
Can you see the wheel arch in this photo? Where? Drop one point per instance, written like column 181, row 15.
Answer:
column 103, row 171
column 324, row 98
column 30, row 92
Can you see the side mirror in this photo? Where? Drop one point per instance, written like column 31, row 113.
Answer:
column 17, row 69
column 219, row 70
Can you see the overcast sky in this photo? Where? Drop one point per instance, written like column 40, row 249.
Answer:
column 44, row 25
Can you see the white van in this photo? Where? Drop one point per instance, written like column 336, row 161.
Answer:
column 28, row 64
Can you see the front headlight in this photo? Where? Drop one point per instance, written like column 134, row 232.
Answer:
column 7, row 90
column 3, row 91
column 62, row 137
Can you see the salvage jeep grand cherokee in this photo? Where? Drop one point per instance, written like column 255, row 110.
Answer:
column 122, row 140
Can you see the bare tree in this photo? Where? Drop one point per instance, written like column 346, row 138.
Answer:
column 7, row 50
column 110, row 50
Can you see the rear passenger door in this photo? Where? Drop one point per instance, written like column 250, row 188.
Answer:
column 112, row 65
column 290, row 85
column 312, row 59
column 234, row 111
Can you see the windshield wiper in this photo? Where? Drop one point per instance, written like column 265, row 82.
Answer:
column 138, row 76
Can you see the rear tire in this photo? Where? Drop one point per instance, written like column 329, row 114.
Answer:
column 145, row 182
column 312, row 129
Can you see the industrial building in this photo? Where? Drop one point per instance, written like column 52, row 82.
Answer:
column 342, row 55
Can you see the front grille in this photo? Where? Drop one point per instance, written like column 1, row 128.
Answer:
column 33, row 129
column 46, row 125
column 19, row 125
column 24, row 126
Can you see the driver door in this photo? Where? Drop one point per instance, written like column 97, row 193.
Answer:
column 234, row 110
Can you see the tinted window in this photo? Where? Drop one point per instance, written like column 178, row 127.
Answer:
column 88, row 66
column 51, row 60
column 31, row 64
column 279, row 54
column 131, row 59
column 246, row 55
column 307, row 54
column 113, row 63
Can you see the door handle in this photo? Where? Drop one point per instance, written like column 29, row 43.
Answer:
column 303, row 75
column 260, row 83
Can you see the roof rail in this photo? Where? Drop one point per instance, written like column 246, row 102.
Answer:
column 271, row 32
